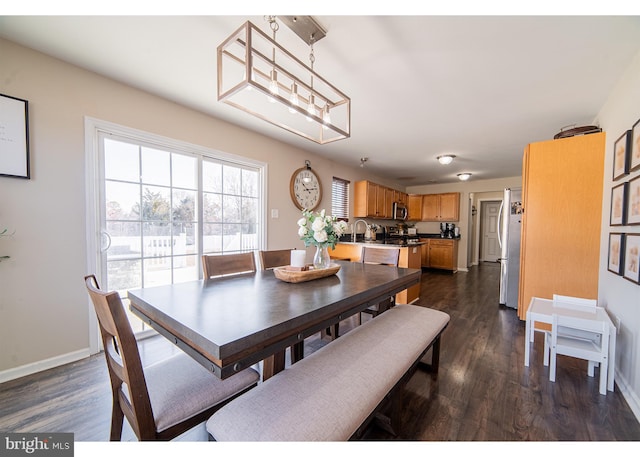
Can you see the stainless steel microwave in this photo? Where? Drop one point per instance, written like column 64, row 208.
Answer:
column 400, row 211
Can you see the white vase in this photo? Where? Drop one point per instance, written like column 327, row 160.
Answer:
column 321, row 259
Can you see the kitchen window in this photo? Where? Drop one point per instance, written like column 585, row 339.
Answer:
column 340, row 198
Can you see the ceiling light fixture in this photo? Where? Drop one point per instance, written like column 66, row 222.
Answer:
column 464, row 176
column 303, row 102
column 445, row 159
column 362, row 161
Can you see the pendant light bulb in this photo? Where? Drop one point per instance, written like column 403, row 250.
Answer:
column 273, row 85
column 311, row 108
column 294, row 98
column 326, row 117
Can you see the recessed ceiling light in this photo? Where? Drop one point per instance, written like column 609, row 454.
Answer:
column 464, row 176
column 445, row 159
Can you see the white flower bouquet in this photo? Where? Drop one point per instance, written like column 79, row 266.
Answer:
column 319, row 229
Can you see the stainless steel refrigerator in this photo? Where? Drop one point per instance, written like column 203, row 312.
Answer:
column 509, row 234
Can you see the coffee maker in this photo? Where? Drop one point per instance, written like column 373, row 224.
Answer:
column 447, row 230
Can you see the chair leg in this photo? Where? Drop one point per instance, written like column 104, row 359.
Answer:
column 117, row 419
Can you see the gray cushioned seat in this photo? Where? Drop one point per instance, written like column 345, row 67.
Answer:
column 328, row 395
column 180, row 388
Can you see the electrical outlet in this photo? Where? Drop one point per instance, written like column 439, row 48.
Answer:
column 275, row 214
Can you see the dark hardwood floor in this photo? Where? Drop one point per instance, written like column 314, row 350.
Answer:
column 483, row 391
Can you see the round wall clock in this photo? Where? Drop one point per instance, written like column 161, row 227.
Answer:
column 305, row 188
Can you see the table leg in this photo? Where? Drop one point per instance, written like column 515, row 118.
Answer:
column 527, row 340
column 272, row 365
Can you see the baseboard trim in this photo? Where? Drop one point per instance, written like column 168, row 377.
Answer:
column 41, row 365
column 628, row 394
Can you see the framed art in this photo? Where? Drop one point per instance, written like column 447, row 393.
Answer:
column 618, row 205
column 616, row 252
column 635, row 147
column 632, row 257
column 633, row 202
column 14, row 137
column 621, row 155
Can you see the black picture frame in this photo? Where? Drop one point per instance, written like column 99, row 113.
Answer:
column 621, row 155
column 14, row 137
column 632, row 257
column 618, row 211
column 616, row 253
column 634, row 161
column 632, row 212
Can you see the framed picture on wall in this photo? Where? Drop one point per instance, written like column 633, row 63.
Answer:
column 621, row 155
column 632, row 257
column 635, row 147
column 616, row 252
column 618, row 205
column 14, row 137
column 633, row 202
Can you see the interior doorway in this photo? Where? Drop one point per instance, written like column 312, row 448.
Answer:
column 489, row 242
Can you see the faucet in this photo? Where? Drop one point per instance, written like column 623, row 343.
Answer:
column 355, row 228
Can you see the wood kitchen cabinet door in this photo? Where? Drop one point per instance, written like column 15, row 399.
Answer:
column 414, row 205
column 443, row 254
column 431, row 207
column 561, row 223
column 450, row 207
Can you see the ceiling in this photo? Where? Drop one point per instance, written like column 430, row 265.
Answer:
column 478, row 87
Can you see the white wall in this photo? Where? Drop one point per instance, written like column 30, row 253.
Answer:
column 44, row 308
column 621, row 297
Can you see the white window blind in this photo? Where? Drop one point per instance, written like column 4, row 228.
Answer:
column 340, row 198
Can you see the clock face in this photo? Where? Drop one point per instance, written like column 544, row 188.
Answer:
column 306, row 191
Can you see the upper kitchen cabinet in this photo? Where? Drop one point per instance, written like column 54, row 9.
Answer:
column 414, row 205
column 562, row 201
column 375, row 201
column 441, row 207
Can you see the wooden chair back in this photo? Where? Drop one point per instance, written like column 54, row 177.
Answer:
column 380, row 256
column 226, row 264
column 275, row 258
column 124, row 364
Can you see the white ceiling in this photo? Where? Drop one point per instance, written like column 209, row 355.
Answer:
column 479, row 87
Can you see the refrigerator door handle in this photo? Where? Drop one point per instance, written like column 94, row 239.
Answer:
column 500, row 224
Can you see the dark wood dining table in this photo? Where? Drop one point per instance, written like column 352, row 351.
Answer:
column 230, row 323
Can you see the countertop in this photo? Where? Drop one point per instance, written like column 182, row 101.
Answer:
column 346, row 239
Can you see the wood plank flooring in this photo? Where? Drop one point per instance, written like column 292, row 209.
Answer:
column 483, row 391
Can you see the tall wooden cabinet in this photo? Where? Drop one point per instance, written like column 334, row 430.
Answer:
column 562, row 200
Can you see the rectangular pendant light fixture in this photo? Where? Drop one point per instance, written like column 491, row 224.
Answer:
column 260, row 77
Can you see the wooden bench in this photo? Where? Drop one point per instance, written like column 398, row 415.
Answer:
column 336, row 392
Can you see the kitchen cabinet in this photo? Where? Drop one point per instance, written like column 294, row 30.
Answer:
column 441, row 207
column 439, row 253
column 414, row 205
column 561, row 223
column 424, row 254
column 374, row 200
column 443, row 254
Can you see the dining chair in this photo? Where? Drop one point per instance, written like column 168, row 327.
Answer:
column 165, row 399
column 226, row 264
column 379, row 256
column 596, row 351
column 275, row 258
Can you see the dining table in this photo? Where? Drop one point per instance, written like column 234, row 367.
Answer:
column 541, row 310
column 230, row 323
